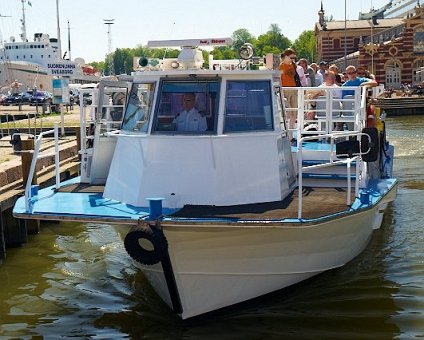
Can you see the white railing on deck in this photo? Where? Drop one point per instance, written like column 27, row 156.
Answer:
column 331, row 112
column 36, row 156
column 333, row 161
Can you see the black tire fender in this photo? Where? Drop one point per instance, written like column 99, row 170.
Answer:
column 145, row 256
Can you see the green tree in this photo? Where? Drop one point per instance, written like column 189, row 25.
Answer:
column 224, row 52
column 240, row 37
column 99, row 66
column 305, row 46
column 272, row 41
column 123, row 60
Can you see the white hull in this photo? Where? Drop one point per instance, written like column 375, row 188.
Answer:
column 218, row 266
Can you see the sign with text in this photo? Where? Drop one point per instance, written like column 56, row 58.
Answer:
column 61, row 69
column 60, row 91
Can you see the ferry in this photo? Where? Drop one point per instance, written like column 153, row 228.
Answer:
column 32, row 64
column 197, row 170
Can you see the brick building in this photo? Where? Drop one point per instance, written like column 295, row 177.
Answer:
column 391, row 48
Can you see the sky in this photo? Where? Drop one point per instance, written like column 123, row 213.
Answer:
column 138, row 21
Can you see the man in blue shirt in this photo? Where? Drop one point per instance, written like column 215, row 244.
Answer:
column 354, row 80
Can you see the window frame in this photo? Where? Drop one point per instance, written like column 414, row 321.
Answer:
column 212, row 108
column 249, row 119
column 145, row 127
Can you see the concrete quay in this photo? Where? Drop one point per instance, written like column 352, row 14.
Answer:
column 14, row 168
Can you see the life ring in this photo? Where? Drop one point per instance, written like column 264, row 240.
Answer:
column 371, row 118
column 155, row 236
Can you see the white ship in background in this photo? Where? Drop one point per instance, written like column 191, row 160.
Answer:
column 24, row 64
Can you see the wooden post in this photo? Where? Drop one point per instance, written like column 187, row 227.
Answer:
column 26, row 157
column 2, row 241
column 32, row 226
column 78, row 136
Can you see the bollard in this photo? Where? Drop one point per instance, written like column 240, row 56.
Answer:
column 365, row 197
column 155, row 206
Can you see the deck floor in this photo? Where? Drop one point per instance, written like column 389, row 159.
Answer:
column 317, row 202
column 82, row 187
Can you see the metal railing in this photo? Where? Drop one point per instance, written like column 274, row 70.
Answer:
column 333, row 161
column 36, row 156
column 331, row 110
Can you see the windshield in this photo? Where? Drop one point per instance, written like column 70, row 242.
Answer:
column 138, row 109
column 187, row 106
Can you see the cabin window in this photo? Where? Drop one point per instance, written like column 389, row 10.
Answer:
column 248, row 106
column 187, row 106
column 138, row 109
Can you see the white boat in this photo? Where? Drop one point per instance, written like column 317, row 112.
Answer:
column 25, row 64
column 234, row 211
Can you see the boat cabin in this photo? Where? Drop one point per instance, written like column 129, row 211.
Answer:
column 194, row 136
column 203, row 137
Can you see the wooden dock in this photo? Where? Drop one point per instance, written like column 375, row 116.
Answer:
column 398, row 106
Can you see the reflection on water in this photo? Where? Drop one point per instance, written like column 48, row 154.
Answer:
column 75, row 280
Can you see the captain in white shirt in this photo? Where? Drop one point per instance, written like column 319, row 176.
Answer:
column 190, row 119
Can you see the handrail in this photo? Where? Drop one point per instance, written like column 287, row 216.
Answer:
column 35, row 157
column 332, row 162
column 326, row 114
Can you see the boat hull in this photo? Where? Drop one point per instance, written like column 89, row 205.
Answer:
column 222, row 265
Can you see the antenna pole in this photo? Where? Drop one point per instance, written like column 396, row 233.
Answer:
column 23, row 27
column 59, row 48
column 69, row 41
column 109, row 23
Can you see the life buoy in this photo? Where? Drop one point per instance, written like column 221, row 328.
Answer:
column 371, row 119
column 145, row 256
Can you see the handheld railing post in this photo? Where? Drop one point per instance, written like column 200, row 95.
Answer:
column 35, row 157
column 300, row 176
column 331, row 162
column 56, row 154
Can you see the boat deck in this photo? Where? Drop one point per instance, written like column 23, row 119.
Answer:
column 74, row 201
column 317, row 202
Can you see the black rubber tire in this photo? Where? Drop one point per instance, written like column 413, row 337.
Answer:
column 138, row 253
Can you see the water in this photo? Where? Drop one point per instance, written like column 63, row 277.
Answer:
column 76, row 281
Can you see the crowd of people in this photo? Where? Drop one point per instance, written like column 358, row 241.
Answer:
column 302, row 74
column 313, row 75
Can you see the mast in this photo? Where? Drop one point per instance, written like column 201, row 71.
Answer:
column 69, row 42
column 59, row 48
column 23, row 27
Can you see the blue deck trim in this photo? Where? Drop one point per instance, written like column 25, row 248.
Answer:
column 309, row 162
column 328, row 176
column 92, row 206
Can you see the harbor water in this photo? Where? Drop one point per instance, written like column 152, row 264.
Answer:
column 76, row 281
